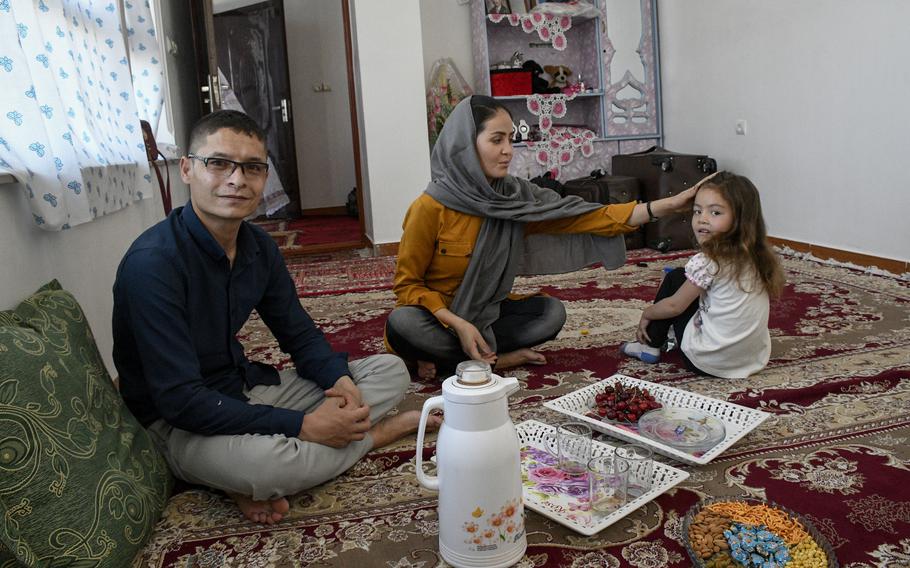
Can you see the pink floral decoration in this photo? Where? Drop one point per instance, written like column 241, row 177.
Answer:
column 534, row 106
column 565, row 22
column 559, row 41
column 527, row 26
column 537, row 17
column 513, row 19
column 547, row 474
column 559, row 109
column 544, row 34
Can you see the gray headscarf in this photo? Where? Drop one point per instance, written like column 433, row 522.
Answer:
column 502, row 251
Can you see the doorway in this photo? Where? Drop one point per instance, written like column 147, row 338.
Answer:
column 299, row 86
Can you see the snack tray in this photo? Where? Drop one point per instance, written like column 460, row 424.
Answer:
column 738, row 420
column 698, row 562
column 563, row 507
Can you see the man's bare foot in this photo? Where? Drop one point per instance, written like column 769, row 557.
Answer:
column 426, row 370
column 268, row 512
column 518, row 357
column 393, row 428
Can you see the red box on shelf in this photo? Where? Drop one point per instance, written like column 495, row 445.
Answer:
column 509, row 82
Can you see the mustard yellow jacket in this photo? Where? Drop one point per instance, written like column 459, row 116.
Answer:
column 437, row 243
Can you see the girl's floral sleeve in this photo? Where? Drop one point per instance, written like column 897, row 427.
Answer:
column 700, row 270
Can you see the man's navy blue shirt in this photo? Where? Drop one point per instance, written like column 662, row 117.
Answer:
column 178, row 305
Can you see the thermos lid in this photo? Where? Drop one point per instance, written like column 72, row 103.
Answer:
column 474, row 383
column 473, row 374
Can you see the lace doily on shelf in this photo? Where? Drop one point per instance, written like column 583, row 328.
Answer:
column 549, row 27
column 548, row 107
column 559, row 146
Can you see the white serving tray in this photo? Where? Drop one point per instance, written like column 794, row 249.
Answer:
column 738, row 420
column 565, row 507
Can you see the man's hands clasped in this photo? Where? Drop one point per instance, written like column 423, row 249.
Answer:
column 342, row 418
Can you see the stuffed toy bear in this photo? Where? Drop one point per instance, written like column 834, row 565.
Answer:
column 539, row 83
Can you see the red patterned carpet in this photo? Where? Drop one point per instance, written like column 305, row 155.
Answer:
column 836, row 448
column 313, row 230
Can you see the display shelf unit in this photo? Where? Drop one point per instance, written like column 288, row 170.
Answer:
column 622, row 109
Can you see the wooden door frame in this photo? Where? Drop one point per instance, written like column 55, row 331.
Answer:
column 355, row 125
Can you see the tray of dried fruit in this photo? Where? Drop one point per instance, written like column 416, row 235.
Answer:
column 685, row 426
column 734, row 532
column 564, row 498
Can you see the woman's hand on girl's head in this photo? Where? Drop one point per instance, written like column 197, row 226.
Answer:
column 682, row 201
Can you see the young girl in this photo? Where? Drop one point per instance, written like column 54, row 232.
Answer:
column 718, row 304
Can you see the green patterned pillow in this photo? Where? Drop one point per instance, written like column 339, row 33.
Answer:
column 81, row 483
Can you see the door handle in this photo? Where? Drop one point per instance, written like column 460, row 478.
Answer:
column 216, row 90
column 283, row 107
column 207, row 89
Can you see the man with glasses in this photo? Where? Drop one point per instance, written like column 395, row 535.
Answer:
column 185, row 288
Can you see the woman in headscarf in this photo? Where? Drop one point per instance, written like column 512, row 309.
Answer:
column 474, row 229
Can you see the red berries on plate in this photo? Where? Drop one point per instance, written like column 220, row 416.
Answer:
column 619, row 403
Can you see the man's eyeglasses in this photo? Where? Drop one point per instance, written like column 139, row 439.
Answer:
column 222, row 167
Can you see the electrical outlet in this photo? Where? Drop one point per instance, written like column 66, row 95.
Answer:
column 741, row 127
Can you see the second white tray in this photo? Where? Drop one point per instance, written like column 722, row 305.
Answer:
column 738, row 420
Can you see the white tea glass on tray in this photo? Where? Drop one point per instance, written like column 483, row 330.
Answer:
column 641, row 467
column 607, row 483
column 573, row 447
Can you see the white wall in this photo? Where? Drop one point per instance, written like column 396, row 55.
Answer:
column 824, row 87
column 446, row 31
column 84, row 259
column 394, row 147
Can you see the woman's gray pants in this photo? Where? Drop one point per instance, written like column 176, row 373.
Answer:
column 415, row 333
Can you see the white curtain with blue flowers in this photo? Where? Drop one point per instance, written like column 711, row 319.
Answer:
column 70, row 130
column 145, row 61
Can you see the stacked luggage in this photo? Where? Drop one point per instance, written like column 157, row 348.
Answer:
column 662, row 173
column 601, row 188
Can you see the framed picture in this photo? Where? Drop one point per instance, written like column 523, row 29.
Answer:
column 498, row 6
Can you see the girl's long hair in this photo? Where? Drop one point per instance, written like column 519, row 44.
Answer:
column 744, row 249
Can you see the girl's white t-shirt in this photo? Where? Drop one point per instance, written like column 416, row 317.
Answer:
column 728, row 336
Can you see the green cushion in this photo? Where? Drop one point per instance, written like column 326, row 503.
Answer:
column 81, row 483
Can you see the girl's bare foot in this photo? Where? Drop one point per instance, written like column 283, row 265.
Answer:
column 519, row 357
column 393, row 428
column 268, row 512
column 426, row 370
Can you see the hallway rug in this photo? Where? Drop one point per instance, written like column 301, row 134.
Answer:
column 836, row 448
column 312, row 230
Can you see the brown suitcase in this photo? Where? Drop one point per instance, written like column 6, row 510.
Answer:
column 600, row 188
column 662, row 173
